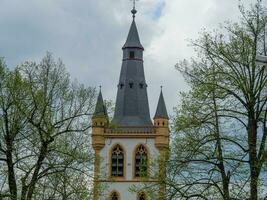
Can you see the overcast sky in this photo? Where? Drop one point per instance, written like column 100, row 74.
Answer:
column 88, row 35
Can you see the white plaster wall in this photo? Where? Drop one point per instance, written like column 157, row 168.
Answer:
column 129, row 145
column 122, row 189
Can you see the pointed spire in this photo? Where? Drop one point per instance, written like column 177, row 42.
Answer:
column 100, row 108
column 132, row 108
column 161, row 111
column 133, row 40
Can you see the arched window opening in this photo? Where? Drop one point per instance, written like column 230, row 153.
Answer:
column 141, row 161
column 117, row 161
column 131, row 85
column 114, row 196
column 141, row 196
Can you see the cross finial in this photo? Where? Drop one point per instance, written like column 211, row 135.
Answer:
column 161, row 87
column 134, row 11
column 100, row 86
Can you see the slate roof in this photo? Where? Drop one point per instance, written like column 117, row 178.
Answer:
column 161, row 111
column 132, row 107
column 100, row 108
column 133, row 38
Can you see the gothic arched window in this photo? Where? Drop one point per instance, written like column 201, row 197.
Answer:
column 141, row 160
column 114, row 196
column 117, row 161
column 141, row 196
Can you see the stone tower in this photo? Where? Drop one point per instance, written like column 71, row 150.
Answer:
column 130, row 150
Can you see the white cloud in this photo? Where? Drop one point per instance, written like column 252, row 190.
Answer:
column 88, row 36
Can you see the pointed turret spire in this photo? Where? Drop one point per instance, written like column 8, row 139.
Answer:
column 161, row 111
column 133, row 40
column 100, row 108
column 132, row 107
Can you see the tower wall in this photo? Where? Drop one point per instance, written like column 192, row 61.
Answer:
column 118, row 174
column 123, row 184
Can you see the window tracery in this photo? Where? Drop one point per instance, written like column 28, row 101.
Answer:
column 117, row 161
column 141, row 159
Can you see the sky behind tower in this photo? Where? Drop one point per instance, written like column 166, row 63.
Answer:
column 88, row 35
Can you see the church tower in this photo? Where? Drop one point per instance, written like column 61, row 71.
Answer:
column 130, row 150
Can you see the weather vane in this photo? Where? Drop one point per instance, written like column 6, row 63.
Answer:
column 134, row 11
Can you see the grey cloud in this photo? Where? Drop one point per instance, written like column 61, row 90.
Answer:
column 88, row 36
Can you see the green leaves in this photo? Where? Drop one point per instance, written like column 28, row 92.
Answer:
column 220, row 124
column 45, row 121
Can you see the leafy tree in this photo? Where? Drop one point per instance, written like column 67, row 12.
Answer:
column 45, row 121
column 222, row 120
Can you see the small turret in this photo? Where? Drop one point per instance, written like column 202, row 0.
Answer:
column 99, row 121
column 161, row 123
column 100, row 117
column 161, row 117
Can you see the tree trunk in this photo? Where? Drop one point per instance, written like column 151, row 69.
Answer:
column 9, row 159
column 34, row 179
column 253, row 162
column 24, row 189
column 11, row 175
column 225, row 178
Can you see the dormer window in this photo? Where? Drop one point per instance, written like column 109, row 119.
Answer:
column 131, row 85
column 131, row 55
column 121, row 85
column 141, row 85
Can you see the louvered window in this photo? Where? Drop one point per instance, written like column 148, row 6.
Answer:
column 141, row 161
column 117, row 161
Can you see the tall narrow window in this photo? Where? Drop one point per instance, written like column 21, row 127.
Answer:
column 114, row 196
column 141, row 196
column 131, row 54
column 117, row 161
column 141, row 161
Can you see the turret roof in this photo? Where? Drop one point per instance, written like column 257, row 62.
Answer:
column 100, row 108
column 161, row 111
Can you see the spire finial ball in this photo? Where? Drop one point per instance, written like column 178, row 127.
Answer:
column 134, row 11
